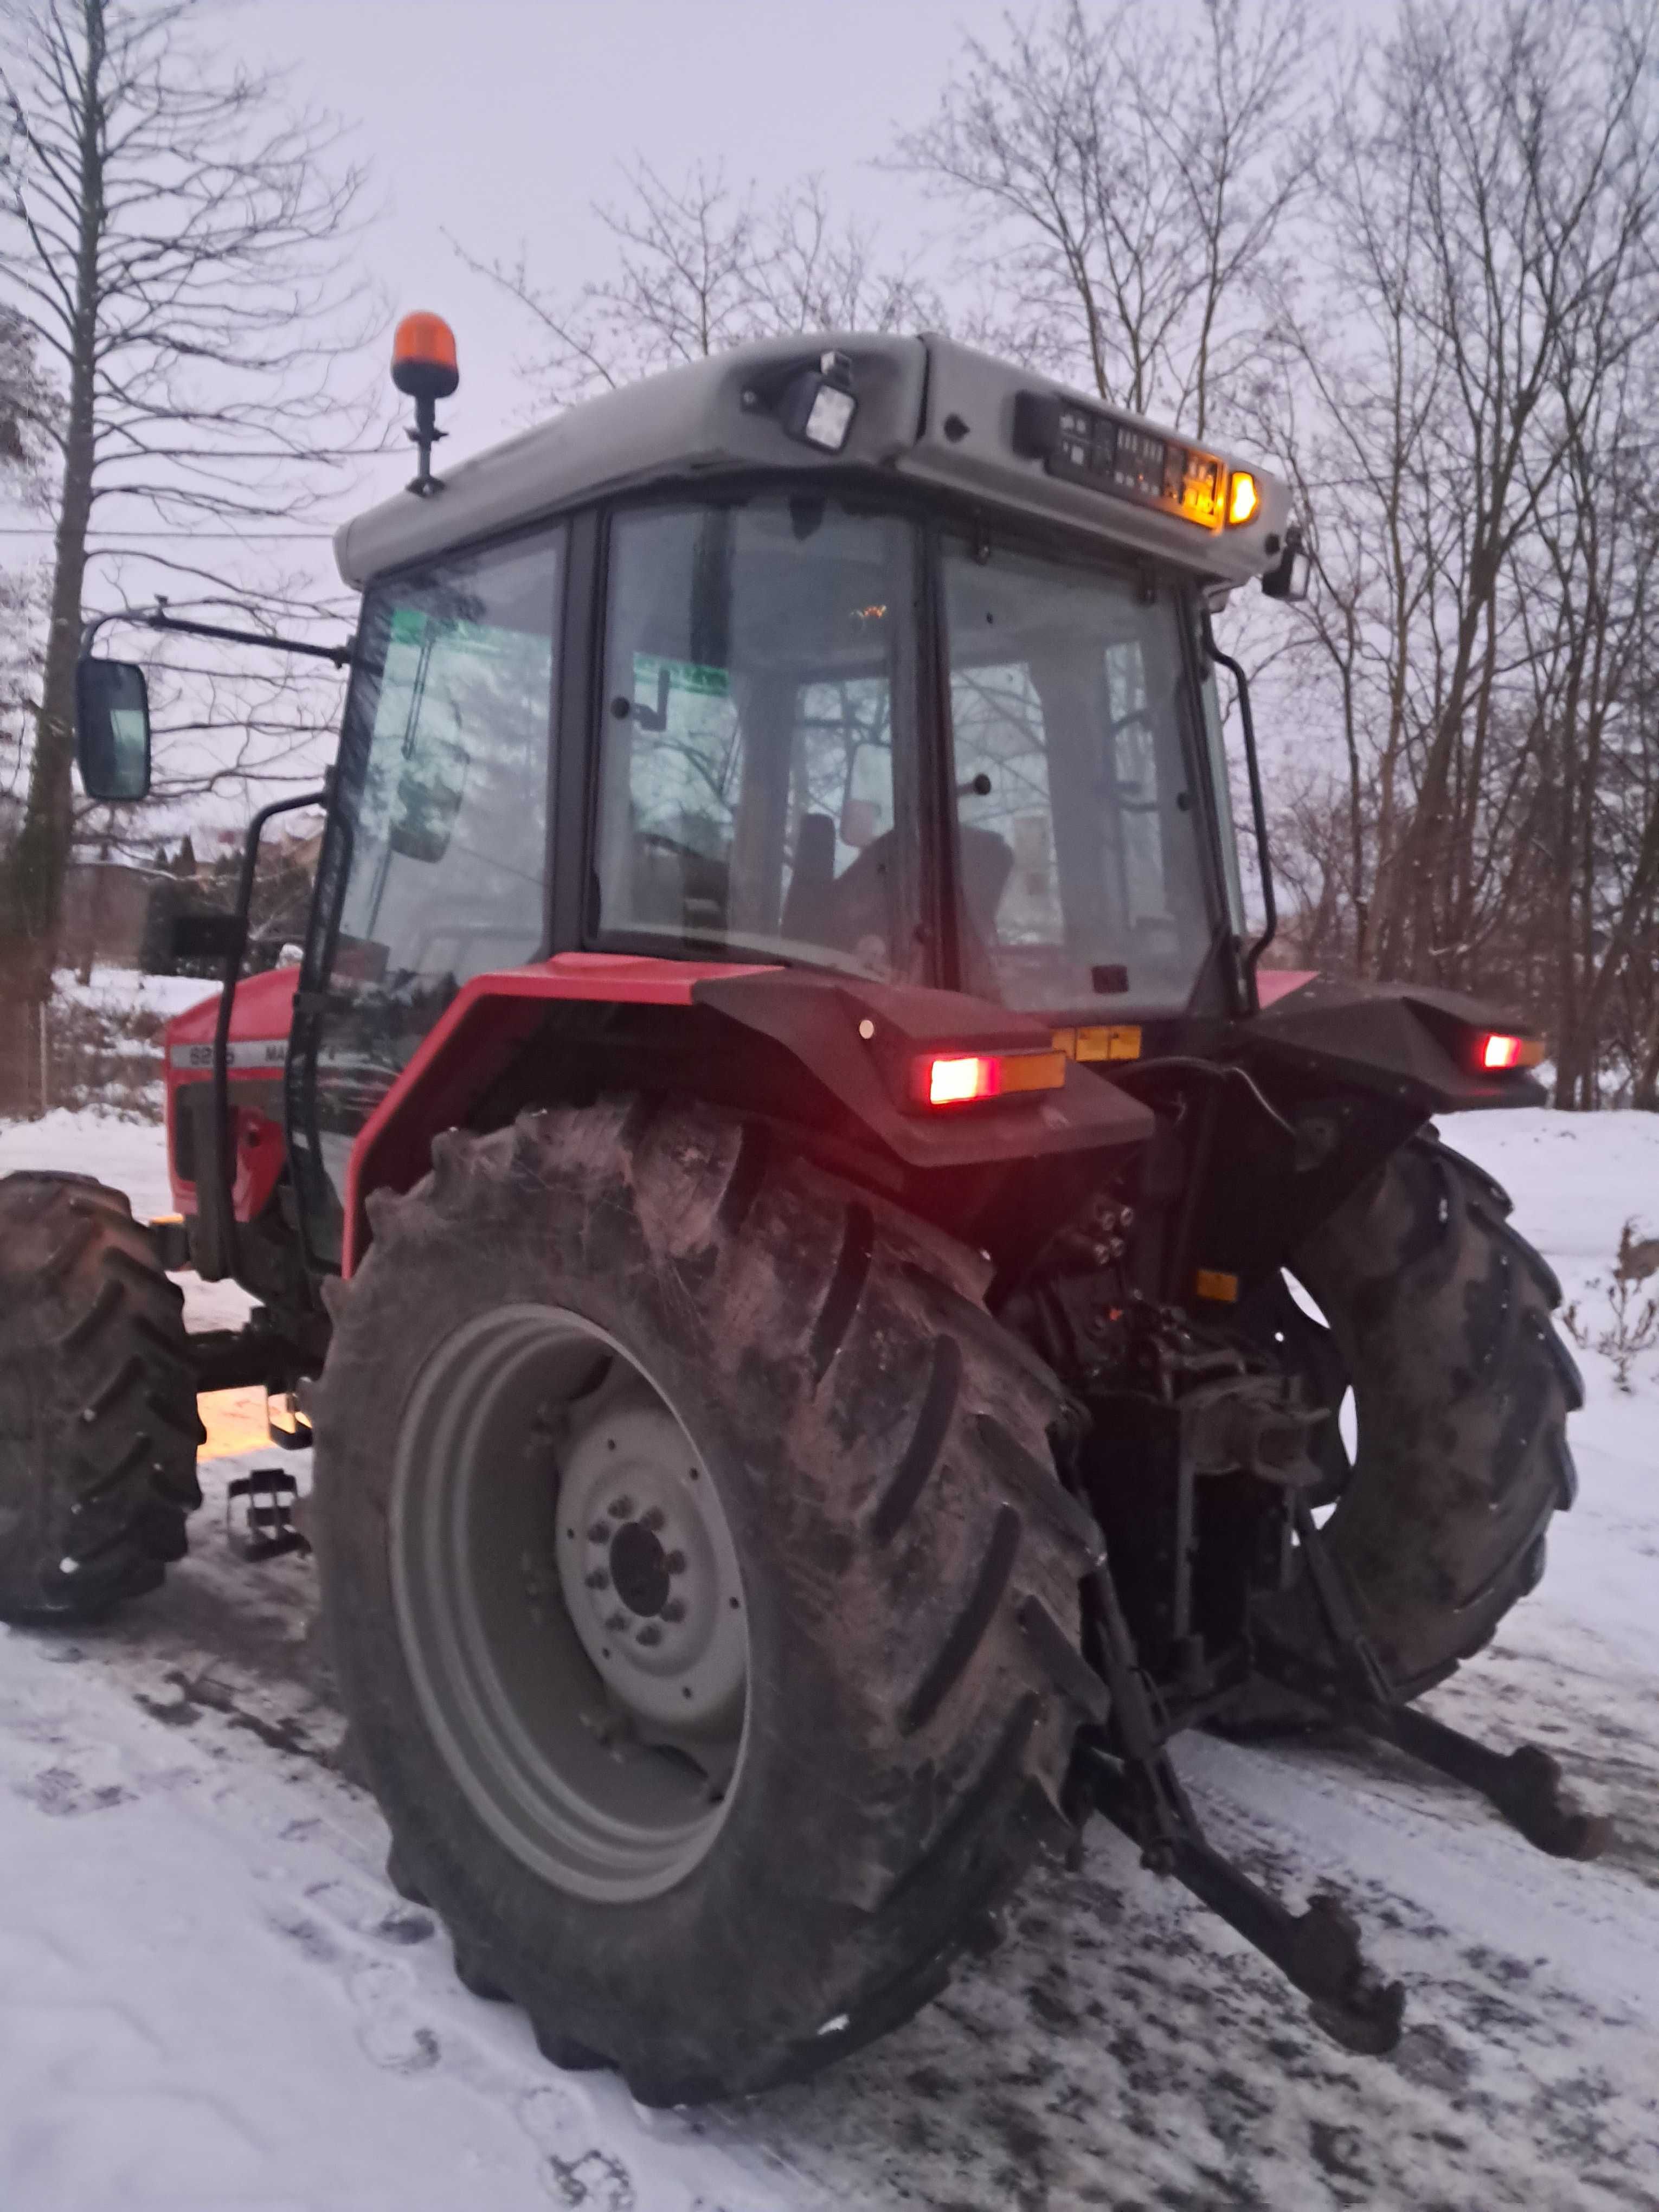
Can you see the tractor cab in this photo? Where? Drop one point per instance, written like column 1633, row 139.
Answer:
column 867, row 658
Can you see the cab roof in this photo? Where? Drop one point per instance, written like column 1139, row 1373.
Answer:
column 929, row 412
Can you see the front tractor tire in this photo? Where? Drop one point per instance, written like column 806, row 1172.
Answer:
column 98, row 1420
column 698, row 1578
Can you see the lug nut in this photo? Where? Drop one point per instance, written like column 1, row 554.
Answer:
column 598, row 1533
column 674, row 1563
column 616, row 1622
column 674, row 1610
column 651, row 1518
column 649, row 1634
column 598, row 1579
column 620, row 1509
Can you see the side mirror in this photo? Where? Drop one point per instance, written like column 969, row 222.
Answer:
column 111, row 729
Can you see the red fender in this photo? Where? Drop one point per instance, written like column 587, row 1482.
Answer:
column 477, row 1037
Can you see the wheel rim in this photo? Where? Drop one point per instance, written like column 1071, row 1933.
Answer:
column 570, row 1603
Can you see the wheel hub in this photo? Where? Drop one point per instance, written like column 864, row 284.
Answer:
column 639, row 1570
column 648, row 1569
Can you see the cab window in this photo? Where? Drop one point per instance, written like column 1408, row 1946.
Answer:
column 1080, row 858
column 435, row 868
column 757, row 770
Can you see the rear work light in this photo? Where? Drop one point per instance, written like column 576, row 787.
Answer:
column 1499, row 1052
column 966, row 1079
column 816, row 406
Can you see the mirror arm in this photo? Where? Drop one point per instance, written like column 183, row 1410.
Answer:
column 1258, row 810
column 157, row 618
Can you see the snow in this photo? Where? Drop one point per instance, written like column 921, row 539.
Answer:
column 210, row 1997
column 123, row 990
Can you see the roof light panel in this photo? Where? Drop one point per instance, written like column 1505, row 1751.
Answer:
column 1086, row 446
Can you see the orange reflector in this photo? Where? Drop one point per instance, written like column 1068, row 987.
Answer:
column 1244, row 496
column 961, row 1078
column 1498, row 1052
column 425, row 338
column 1032, row 1071
column 1121, row 1041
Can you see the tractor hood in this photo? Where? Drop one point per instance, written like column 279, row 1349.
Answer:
column 261, row 1014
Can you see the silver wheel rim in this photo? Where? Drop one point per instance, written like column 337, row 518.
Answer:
column 569, row 1603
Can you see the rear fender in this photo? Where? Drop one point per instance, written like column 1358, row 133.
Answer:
column 1298, row 1105
column 1406, row 1042
column 825, row 1057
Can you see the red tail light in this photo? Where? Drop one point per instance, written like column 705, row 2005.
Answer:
column 962, row 1079
column 1499, row 1052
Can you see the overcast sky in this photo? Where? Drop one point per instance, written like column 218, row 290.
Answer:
column 500, row 121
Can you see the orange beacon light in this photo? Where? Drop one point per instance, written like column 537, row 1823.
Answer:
column 424, row 366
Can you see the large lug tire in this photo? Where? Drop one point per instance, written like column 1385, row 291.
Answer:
column 98, row 1420
column 813, row 1413
column 1439, row 1317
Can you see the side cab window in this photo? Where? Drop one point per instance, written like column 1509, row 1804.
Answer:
column 437, row 860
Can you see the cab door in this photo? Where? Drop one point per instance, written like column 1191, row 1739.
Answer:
column 435, row 866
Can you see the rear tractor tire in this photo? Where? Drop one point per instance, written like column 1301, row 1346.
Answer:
column 698, row 1580
column 1438, row 1315
column 98, row 1420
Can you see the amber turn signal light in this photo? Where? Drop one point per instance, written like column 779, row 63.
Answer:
column 1244, row 496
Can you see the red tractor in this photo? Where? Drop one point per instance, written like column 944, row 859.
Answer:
column 825, row 1278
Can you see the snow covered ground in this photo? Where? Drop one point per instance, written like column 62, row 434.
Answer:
column 123, row 990
column 210, row 1997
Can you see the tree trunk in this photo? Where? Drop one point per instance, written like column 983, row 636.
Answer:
column 95, row 904
column 32, row 887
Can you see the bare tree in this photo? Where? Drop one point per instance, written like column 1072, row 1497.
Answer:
column 701, row 267
column 1592, row 828
column 171, row 237
column 1472, row 434
column 1124, row 180
column 1534, row 138
column 25, row 412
